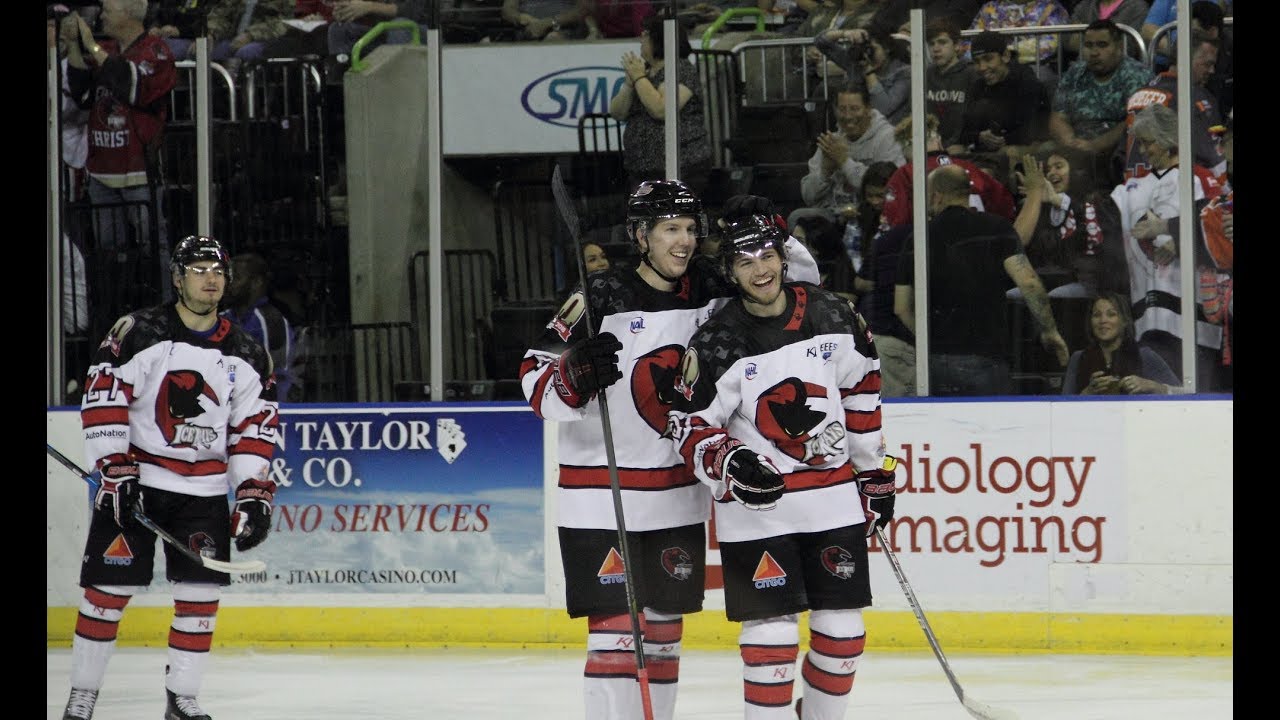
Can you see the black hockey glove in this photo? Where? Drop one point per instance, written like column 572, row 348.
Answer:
column 587, row 367
column 740, row 207
column 878, row 488
column 119, row 492
column 753, row 480
column 251, row 518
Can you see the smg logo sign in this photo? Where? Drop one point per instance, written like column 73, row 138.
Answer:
column 561, row 97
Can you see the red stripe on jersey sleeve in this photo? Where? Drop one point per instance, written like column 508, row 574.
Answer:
column 96, row 417
column 862, row 422
column 253, row 446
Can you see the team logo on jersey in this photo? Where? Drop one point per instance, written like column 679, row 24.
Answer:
column 688, row 376
column 118, row 552
column 678, row 563
column 177, row 402
column 768, row 573
column 785, row 414
column 637, row 326
column 653, row 384
column 572, row 311
column 839, row 562
column 612, row 571
column 115, row 336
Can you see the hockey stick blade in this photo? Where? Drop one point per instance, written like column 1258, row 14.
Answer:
column 975, row 708
column 231, row 568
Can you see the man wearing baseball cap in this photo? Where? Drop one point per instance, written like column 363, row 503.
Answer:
column 1008, row 107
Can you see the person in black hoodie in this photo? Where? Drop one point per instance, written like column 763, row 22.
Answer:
column 1007, row 108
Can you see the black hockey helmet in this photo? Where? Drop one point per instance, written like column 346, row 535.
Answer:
column 750, row 235
column 661, row 199
column 194, row 248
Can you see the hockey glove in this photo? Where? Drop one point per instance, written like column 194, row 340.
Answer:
column 587, row 367
column 753, row 480
column 251, row 519
column 878, row 488
column 740, row 207
column 119, row 492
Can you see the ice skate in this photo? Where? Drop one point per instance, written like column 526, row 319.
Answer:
column 80, row 704
column 183, row 707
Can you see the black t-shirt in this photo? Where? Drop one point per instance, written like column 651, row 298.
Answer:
column 968, row 310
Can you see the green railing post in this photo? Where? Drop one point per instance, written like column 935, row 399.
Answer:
column 728, row 15
column 375, row 31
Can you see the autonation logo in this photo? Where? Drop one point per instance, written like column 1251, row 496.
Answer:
column 561, row 97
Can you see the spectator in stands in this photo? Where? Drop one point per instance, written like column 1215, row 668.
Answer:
column 178, row 23
column 641, row 104
column 832, row 15
column 246, row 304
column 549, row 19
column 1089, row 106
column 895, row 341
column 1113, row 362
column 125, row 84
column 353, row 18
column 895, row 13
column 1216, row 261
column 617, row 18
column 875, row 186
column 948, row 78
column 985, row 191
column 1149, row 211
column 879, row 60
column 1207, row 17
column 1163, row 90
column 842, row 157
column 240, row 29
column 1007, row 107
column 1038, row 52
column 594, row 258
column 1162, row 13
column 972, row 257
column 1130, row 13
column 1069, row 230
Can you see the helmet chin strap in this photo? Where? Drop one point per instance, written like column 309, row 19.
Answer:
column 182, row 298
column 645, row 259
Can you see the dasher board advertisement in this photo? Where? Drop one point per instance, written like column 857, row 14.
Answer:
column 405, row 500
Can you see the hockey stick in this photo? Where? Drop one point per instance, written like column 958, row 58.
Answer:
column 570, row 217
column 233, row 568
column 979, row 710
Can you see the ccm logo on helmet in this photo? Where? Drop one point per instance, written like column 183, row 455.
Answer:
column 561, row 97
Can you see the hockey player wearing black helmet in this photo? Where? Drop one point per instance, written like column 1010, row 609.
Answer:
column 179, row 405
column 757, row 243
column 643, row 316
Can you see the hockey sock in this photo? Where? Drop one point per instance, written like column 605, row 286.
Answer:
column 662, row 636
column 195, row 607
column 96, row 628
column 836, row 640
column 609, row 680
column 769, row 649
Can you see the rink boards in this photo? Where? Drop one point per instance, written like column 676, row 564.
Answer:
column 1064, row 526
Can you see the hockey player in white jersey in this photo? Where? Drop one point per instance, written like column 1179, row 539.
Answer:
column 179, row 410
column 778, row 412
column 645, row 316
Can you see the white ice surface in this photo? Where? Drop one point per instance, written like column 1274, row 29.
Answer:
column 545, row 684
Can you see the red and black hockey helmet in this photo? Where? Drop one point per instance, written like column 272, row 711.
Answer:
column 750, row 235
column 194, row 248
column 661, row 199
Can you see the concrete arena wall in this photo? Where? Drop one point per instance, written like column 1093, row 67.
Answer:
column 1144, row 566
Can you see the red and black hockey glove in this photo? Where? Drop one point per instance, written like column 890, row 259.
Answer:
column 251, row 518
column 586, row 368
column 878, row 488
column 751, row 479
column 119, row 492
column 740, row 207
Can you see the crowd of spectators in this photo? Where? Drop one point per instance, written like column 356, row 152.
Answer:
column 1066, row 137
